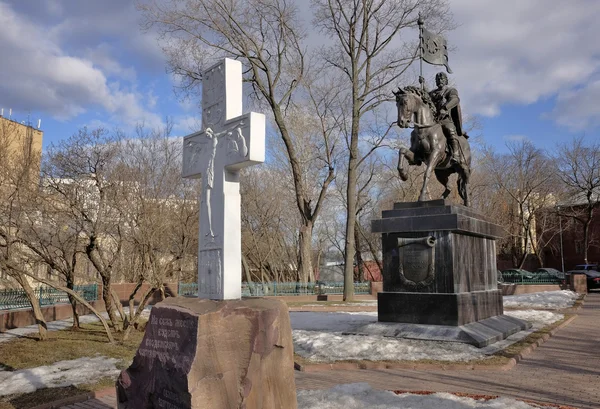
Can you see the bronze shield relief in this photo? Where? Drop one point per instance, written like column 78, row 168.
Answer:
column 416, row 261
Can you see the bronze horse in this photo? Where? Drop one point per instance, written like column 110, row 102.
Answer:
column 429, row 145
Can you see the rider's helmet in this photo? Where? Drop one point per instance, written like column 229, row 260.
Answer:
column 441, row 76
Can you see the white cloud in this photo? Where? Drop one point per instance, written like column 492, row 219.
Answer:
column 516, row 51
column 578, row 109
column 101, row 57
column 37, row 74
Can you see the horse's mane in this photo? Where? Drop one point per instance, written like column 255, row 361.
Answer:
column 424, row 95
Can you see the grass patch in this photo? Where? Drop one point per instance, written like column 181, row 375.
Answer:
column 63, row 345
column 89, row 341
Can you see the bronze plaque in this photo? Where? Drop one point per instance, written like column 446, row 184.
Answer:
column 416, row 261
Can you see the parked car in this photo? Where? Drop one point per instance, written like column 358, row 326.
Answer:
column 593, row 277
column 516, row 275
column 593, row 266
column 549, row 273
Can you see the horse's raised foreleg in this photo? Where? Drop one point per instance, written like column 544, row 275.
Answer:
column 431, row 162
column 404, row 156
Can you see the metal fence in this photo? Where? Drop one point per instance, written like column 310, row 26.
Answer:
column 15, row 298
column 530, row 279
column 278, row 289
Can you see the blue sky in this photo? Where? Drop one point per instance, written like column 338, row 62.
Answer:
column 526, row 69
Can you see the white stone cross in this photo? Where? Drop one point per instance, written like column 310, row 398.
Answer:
column 228, row 142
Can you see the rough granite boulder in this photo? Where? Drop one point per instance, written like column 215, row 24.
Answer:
column 212, row 355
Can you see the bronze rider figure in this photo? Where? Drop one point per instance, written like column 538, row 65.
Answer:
column 447, row 103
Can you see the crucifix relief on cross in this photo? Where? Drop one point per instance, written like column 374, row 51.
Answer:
column 228, row 142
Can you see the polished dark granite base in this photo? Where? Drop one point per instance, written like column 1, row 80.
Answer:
column 438, row 308
column 480, row 334
column 439, row 274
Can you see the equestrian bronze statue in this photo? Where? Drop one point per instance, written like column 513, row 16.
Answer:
column 437, row 139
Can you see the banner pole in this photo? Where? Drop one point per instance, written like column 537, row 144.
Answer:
column 420, row 22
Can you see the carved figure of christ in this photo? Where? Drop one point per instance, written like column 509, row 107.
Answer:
column 229, row 142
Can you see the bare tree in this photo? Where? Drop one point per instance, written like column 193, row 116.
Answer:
column 266, row 36
column 80, row 173
column 526, row 180
column 156, row 205
column 579, row 169
column 269, row 227
column 19, row 175
column 54, row 239
column 367, row 52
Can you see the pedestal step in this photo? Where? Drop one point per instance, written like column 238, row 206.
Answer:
column 480, row 334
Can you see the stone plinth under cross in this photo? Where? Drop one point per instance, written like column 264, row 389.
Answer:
column 228, row 142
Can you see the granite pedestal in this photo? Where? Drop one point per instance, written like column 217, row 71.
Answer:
column 439, row 269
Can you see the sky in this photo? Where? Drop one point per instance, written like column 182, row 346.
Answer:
column 525, row 69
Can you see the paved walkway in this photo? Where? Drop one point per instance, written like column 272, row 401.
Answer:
column 564, row 370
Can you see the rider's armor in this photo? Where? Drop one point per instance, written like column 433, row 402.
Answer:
column 447, row 98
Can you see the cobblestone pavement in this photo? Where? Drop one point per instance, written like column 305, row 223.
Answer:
column 564, row 370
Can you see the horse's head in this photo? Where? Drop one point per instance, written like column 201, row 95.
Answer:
column 414, row 106
column 405, row 105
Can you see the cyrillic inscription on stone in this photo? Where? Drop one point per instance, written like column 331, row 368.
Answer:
column 165, row 355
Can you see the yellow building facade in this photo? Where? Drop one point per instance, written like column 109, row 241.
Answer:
column 20, row 145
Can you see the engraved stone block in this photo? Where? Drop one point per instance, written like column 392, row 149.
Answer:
column 199, row 354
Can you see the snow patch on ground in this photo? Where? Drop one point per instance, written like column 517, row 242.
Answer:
column 361, row 395
column 548, row 299
column 536, row 317
column 327, row 347
column 59, row 374
column 318, row 337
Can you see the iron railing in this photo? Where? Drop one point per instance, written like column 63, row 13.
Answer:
column 509, row 277
column 252, row 289
column 16, row 298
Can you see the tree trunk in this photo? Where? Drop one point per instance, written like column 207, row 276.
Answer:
column 536, row 249
column 73, row 302
column 359, row 275
column 586, row 236
column 131, row 302
column 246, row 269
column 108, row 303
column 305, row 254
column 117, row 300
column 35, row 305
column 138, row 312
column 351, row 200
